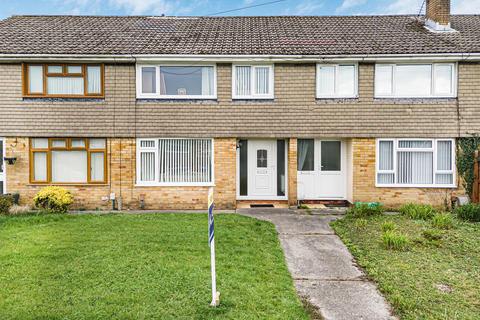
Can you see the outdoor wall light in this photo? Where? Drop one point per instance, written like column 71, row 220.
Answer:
column 10, row 160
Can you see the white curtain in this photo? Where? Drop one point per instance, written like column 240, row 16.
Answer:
column 243, row 80
column 65, row 85
column 94, row 79
column 35, row 79
column 444, row 162
column 346, row 80
column 97, row 170
column 385, row 159
column 147, row 166
column 305, row 149
column 326, row 81
column 261, row 79
column 185, row 160
column 415, row 167
column 40, row 166
column 207, row 81
column 69, row 166
column 149, row 79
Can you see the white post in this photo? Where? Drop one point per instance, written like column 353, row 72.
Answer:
column 211, row 237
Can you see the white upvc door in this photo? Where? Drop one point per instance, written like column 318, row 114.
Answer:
column 262, row 180
column 2, row 167
column 326, row 180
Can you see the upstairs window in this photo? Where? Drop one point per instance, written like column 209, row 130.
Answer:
column 63, row 80
column 252, row 82
column 176, row 82
column 415, row 80
column 336, row 81
column 416, row 162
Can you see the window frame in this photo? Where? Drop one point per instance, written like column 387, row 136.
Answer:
column 157, row 182
column 269, row 96
column 335, row 95
column 68, row 147
column 433, row 149
column 433, row 65
column 157, row 95
column 65, row 74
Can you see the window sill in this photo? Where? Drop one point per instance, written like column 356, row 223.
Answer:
column 253, row 100
column 404, row 100
column 183, row 100
column 64, row 99
column 424, row 186
column 336, row 100
column 39, row 184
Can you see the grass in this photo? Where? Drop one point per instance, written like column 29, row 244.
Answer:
column 431, row 279
column 153, row 266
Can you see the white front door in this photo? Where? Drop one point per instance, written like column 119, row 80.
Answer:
column 321, row 169
column 2, row 167
column 262, row 179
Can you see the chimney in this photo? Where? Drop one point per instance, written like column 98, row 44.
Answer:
column 437, row 16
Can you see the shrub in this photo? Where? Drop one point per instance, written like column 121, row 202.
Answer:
column 6, row 202
column 388, row 226
column 418, row 211
column 432, row 234
column 394, row 241
column 442, row 220
column 54, row 199
column 365, row 210
column 469, row 212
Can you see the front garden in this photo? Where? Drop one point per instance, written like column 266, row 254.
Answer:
column 427, row 263
column 152, row 266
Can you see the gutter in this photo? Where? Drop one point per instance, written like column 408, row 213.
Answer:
column 129, row 58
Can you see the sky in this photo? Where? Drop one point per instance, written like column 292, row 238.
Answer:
column 218, row 7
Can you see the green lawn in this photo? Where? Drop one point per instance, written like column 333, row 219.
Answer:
column 410, row 279
column 154, row 266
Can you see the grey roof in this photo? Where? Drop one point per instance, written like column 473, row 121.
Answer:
column 281, row 35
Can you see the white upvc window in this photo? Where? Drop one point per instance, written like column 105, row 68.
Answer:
column 177, row 81
column 337, row 80
column 175, row 162
column 416, row 80
column 252, row 82
column 415, row 163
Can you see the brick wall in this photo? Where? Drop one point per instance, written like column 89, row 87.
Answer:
column 121, row 180
column 438, row 11
column 364, row 182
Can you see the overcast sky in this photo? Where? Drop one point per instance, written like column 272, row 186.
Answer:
column 206, row 7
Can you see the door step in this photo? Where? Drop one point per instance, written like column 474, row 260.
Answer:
column 242, row 204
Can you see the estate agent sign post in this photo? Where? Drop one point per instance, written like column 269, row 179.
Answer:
column 211, row 242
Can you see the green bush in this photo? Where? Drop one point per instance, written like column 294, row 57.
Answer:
column 388, row 226
column 5, row 203
column 53, row 199
column 361, row 223
column 394, row 241
column 432, row 234
column 361, row 210
column 469, row 212
column 443, row 220
column 418, row 211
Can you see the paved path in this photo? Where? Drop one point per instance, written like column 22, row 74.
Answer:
column 323, row 269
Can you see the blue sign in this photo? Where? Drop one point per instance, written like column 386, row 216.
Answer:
column 211, row 225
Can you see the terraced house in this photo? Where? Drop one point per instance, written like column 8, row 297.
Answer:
column 152, row 111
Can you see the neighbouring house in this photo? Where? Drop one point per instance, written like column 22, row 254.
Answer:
column 152, row 111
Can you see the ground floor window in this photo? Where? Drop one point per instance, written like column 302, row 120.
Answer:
column 67, row 160
column 174, row 161
column 415, row 162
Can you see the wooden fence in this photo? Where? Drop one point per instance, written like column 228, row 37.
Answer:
column 476, row 181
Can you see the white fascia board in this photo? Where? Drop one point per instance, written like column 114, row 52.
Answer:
column 239, row 58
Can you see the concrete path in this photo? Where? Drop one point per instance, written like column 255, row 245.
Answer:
column 323, row 269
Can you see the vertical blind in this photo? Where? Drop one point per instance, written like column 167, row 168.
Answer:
column 415, row 162
column 336, row 81
column 253, row 81
column 177, row 160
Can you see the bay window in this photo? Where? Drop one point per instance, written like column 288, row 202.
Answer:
column 415, row 162
column 67, row 160
column 252, row 82
column 337, row 81
column 176, row 81
column 63, row 80
column 175, row 162
column 415, row 80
